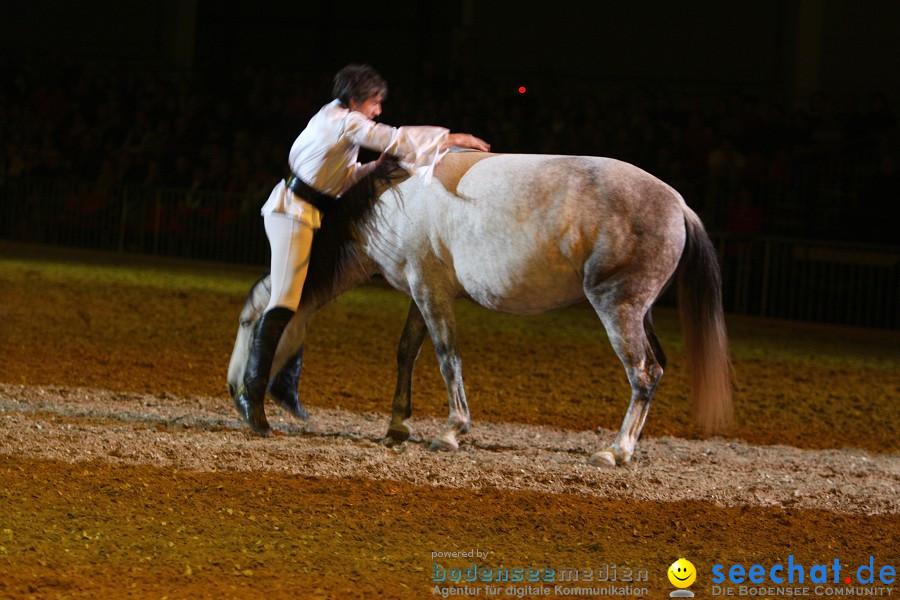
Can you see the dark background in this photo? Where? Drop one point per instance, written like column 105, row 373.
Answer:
column 160, row 127
column 771, row 117
column 783, row 48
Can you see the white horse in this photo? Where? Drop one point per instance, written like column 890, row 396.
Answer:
column 526, row 234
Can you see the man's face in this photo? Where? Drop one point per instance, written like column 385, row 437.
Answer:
column 370, row 107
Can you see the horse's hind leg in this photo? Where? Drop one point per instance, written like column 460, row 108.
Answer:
column 410, row 343
column 633, row 339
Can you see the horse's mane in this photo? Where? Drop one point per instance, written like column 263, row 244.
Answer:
column 334, row 248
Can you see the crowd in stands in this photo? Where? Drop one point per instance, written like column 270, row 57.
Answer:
column 742, row 161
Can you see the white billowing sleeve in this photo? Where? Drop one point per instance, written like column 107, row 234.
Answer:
column 417, row 148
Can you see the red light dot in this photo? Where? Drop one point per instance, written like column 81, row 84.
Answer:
column 522, row 89
column 847, row 580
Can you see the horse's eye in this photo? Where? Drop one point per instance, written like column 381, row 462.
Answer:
column 245, row 323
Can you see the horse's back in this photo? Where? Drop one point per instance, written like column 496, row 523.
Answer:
column 517, row 233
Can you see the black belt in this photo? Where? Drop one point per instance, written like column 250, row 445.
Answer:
column 303, row 190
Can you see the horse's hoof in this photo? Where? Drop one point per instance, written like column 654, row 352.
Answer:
column 603, row 459
column 264, row 430
column 399, row 433
column 442, row 445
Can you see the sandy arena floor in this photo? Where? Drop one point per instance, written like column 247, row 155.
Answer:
column 124, row 471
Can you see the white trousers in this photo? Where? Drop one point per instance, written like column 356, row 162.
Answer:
column 290, row 240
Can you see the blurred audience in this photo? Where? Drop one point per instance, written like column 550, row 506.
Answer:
column 111, row 124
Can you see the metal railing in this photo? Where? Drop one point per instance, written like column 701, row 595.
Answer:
column 811, row 280
column 132, row 218
column 779, row 277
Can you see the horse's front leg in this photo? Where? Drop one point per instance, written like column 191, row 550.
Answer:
column 410, row 343
column 437, row 309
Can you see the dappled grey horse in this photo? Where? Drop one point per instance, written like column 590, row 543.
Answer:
column 526, row 234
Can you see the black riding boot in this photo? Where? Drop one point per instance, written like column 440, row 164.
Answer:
column 283, row 387
column 249, row 401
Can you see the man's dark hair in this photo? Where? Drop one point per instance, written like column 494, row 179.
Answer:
column 358, row 82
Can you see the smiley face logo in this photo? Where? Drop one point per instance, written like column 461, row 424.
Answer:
column 682, row 573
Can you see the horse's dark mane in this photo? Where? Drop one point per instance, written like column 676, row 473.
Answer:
column 334, row 248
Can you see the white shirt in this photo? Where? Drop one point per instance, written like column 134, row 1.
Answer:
column 325, row 155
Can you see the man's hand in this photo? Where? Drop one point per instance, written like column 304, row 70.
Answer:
column 465, row 140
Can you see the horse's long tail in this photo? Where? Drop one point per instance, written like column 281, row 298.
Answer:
column 703, row 323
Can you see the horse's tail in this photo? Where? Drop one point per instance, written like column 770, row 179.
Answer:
column 703, row 323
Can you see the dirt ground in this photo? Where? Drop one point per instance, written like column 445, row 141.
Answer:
column 124, row 471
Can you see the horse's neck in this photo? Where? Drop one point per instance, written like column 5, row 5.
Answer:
column 353, row 273
column 356, row 272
